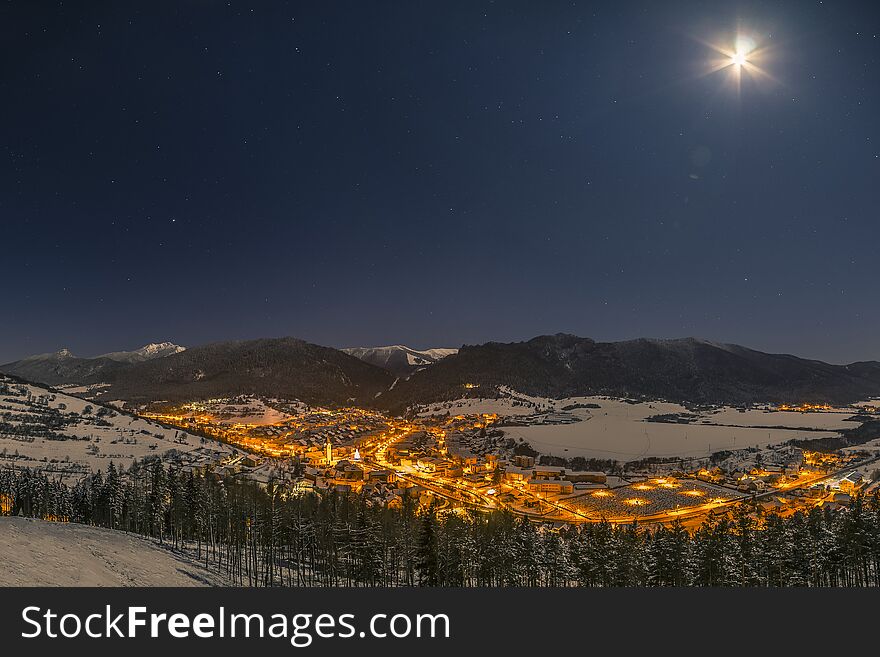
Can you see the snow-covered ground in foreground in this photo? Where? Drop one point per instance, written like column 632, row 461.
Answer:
column 40, row 553
column 619, row 430
column 116, row 437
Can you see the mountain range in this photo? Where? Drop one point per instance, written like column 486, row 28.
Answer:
column 399, row 359
column 64, row 368
column 279, row 367
column 688, row 369
column 147, row 352
column 397, row 377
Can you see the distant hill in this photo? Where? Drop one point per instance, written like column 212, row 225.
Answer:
column 68, row 435
column 62, row 367
column 280, row 367
column 678, row 370
column 398, row 358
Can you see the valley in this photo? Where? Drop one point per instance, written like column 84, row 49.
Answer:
column 571, row 458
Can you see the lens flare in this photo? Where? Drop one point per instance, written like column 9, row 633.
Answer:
column 738, row 59
column 740, row 56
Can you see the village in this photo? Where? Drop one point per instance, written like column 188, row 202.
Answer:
column 462, row 456
column 453, row 463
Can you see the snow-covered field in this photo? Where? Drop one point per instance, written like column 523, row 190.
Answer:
column 244, row 410
column 40, row 553
column 477, row 407
column 831, row 420
column 511, row 403
column 619, row 430
column 94, row 437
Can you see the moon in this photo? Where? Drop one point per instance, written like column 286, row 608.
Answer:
column 743, row 46
column 742, row 56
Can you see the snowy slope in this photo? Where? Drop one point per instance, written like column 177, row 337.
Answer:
column 67, row 435
column 40, row 553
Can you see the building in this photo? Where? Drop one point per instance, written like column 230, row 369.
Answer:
column 302, row 486
column 380, row 475
column 513, row 473
column 328, row 451
column 348, row 471
column 429, row 464
column 850, row 482
column 548, row 472
column 587, row 476
column 523, row 461
column 557, row 486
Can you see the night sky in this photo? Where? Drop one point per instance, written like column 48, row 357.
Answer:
column 439, row 173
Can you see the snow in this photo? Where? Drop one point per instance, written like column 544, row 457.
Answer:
column 510, row 403
column 241, row 410
column 40, row 553
column 618, row 429
column 92, row 389
column 414, row 356
column 503, row 406
column 412, row 359
column 831, row 420
column 147, row 352
column 439, row 352
column 125, row 439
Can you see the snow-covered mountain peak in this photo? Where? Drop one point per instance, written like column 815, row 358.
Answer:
column 147, row 352
column 399, row 358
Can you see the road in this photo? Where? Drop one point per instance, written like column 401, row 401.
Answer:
column 469, row 496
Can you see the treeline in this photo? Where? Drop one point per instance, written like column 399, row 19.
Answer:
column 266, row 537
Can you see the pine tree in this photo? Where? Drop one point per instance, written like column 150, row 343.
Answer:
column 427, row 567
column 115, row 495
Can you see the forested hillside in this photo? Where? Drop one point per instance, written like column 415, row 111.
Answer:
column 255, row 536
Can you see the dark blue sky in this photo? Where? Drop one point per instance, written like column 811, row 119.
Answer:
column 438, row 174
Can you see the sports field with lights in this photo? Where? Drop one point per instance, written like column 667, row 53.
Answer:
column 648, row 498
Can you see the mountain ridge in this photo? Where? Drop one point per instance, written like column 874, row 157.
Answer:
column 273, row 367
column 147, row 352
column 561, row 365
column 62, row 367
column 398, row 358
column 681, row 369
